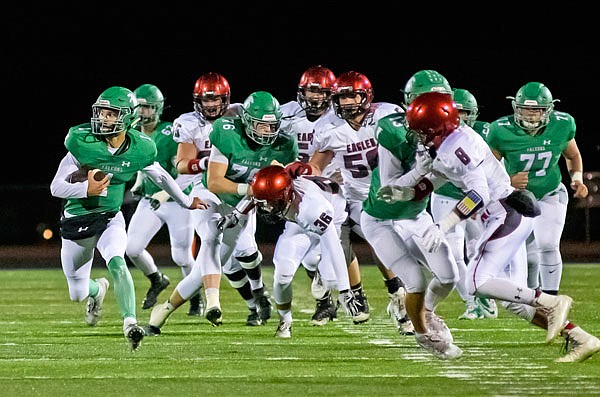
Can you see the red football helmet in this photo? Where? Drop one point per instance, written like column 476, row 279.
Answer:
column 350, row 84
column 320, row 80
column 432, row 115
column 272, row 188
column 211, row 87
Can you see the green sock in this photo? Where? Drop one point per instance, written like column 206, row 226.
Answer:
column 123, row 286
column 94, row 288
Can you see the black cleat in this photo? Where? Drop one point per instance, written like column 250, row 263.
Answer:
column 215, row 316
column 151, row 330
column 196, row 305
column 154, row 290
column 134, row 335
column 264, row 306
column 253, row 318
column 326, row 311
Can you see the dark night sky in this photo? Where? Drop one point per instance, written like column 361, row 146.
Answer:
column 59, row 59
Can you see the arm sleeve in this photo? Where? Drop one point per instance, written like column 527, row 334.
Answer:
column 391, row 171
column 60, row 187
column 166, row 182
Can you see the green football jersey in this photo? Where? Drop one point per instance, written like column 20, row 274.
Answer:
column 137, row 152
column 229, row 137
column 449, row 189
column 167, row 151
column 392, row 135
column 538, row 155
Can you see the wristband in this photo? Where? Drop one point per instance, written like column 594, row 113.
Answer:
column 577, row 176
column 194, row 166
column 242, row 189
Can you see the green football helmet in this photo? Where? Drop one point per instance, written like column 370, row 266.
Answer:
column 149, row 96
column 533, row 105
column 261, row 115
column 119, row 100
column 425, row 81
column 466, row 105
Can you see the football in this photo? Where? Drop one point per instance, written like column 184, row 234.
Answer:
column 81, row 175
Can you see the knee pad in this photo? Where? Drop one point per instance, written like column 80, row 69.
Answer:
column 250, row 261
column 237, row 279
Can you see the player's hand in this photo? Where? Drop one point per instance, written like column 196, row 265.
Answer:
column 423, row 162
column 136, row 194
column 228, row 221
column 198, row 204
column 520, row 180
column 581, row 190
column 432, row 238
column 95, row 187
column 298, row 168
column 392, row 194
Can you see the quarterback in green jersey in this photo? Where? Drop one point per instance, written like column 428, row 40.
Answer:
column 102, row 156
column 531, row 142
column 241, row 146
column 390, row 228
column 155, row 207
column 464, row 236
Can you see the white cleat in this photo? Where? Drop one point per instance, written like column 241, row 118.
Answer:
column 284, row 329
column 437, row 326
column 488, row 307
column 439, row 347
column 93, row 308
column 558, row 309
column 580, row 346
column 160, row 313
column 472, row 312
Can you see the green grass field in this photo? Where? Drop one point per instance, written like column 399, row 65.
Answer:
column 46, row 349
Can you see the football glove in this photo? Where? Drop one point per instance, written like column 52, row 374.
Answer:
column 228, row 221
column 432, row 238
column 298, row 168
column 391, row 193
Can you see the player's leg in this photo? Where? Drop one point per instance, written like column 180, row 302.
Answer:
column 143, row 226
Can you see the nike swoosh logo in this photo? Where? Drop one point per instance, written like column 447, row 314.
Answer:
column 551, row 271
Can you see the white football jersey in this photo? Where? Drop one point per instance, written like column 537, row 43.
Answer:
column 466, row 160
column 192, row 127
column 295, row 123
column 355, row 151
column 322, row 204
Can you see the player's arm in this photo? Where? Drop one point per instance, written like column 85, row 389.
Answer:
column 187, row 161
column 574, row 162
column 166, row 182
column 61, row 187
column 216, row 180
column 319, row 161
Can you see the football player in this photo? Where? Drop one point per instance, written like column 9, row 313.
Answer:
column 464, row 235
column 531, row 142
column 347, row 137
column 156, row 208
column 314, row 209
column 240, row 147
column 313, row 100
column 212, row 100
column 92, row 217
column 506, row 215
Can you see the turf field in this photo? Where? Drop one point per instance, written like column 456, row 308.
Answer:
column 46, row 349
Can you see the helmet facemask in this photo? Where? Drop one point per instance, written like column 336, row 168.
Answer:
column 532, row 117
column 149, row 112
column 272, row 211
column 314, row 99
column 350, row 109
column 211, row 105
column 262, row 131
column 109, row 121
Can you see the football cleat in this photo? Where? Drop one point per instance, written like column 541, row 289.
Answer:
column 134, row 335
column 472, row 312
column 437, row 346
column 579, row 346
column 93, row 308
column 557, row 309
column 354, row 303
column 488, row 307
column 151, row 330
column 284, row 329
column 154, row 290
column 325, row 311
column 253, row 318
column 214, row 316
column 317, row 288
column 264, row 306
column 436, row 325
column 196, row 305
column 397, row 312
